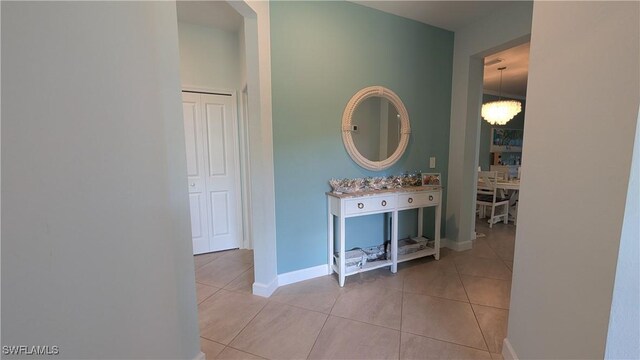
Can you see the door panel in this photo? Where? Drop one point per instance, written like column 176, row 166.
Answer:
column 210, row 126
column 216, row 118
column 220, row 218
column 191, row 110
column 222, row 182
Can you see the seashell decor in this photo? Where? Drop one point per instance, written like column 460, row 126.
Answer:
column 348, row 186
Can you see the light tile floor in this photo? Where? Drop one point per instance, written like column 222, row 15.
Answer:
column 454, row 308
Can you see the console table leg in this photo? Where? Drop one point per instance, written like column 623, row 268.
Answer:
column 343, row 261
column 394, row 242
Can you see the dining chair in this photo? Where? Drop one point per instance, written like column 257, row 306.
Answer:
column 504, row 172
column 489, row 196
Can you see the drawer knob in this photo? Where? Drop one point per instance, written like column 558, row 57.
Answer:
column 384, row 202
column 430, row 197
column 410, row 200
column 360, row 205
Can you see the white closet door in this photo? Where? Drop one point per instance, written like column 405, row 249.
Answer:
column 212, row 167
column 194, row 141
column 222, row 164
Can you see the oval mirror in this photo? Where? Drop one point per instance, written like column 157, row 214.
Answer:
column 375, row 128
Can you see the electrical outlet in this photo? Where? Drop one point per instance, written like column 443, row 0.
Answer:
column 432, row 162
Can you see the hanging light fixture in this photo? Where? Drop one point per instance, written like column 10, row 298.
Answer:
column 501, row 111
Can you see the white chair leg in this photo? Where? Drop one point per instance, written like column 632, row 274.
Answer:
column 506, row 213
column 493, row 211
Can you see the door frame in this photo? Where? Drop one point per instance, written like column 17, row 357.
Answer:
column 242, row 204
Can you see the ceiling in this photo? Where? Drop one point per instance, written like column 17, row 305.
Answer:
column 216, row 14
column 514, row 81
column 450, row 15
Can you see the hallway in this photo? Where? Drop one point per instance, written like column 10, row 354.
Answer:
column 453, row 308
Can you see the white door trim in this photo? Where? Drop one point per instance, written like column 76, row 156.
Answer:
column 245, row 167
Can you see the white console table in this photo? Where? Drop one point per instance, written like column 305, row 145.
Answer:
column 391, row 201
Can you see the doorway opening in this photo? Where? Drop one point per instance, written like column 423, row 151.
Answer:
column 219, row 70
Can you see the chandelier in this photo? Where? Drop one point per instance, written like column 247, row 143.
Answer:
column 501, row 111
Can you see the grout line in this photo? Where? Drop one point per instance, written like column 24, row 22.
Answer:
column 446, row 341
column 208, row 297
column 318, row 336
column 489, row 306
column 246, row 352
column 248, row 322
column 481, row 331
column 364, row 322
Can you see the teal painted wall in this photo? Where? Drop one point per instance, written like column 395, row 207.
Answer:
column 322, row 54
column 484, row 155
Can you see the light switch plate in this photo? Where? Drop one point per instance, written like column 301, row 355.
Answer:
column 432, row 162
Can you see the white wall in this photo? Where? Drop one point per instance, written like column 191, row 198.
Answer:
column 209, row 57
column 258, row 58
column 96, row 248
column 582, row 110
column 505, row 28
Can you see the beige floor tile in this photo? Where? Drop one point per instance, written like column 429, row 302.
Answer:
column 220, row 272
column 497, row 356
column 371, row 304
column 244, row 256
column 382, row 277
column 480, row 249
column 489, row 292
column 504, row 250
column 223, row 315
column 243, row 283
column 435, row 283
column 211, row 349
column 445, row 264
column 491, row 268
column 493, row 323
column 233, row 354
column 317, row 294
column 418, row 347
column 441, row 319
column 202, row 259
column 281, row 331
column 347, row 339
column 204, row 291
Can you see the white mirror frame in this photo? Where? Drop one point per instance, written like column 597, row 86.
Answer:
column 347, row 138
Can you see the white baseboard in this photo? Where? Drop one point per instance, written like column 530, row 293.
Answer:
column 200, row 356
column 265, row 290
column 507, row 350
column 303, row 274
column 456, row 245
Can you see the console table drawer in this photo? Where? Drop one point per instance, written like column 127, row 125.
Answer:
column 418, row 199
column 366, row 205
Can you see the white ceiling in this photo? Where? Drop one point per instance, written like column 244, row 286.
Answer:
column 216, row 14
column 514, row 81
column 450, row 15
